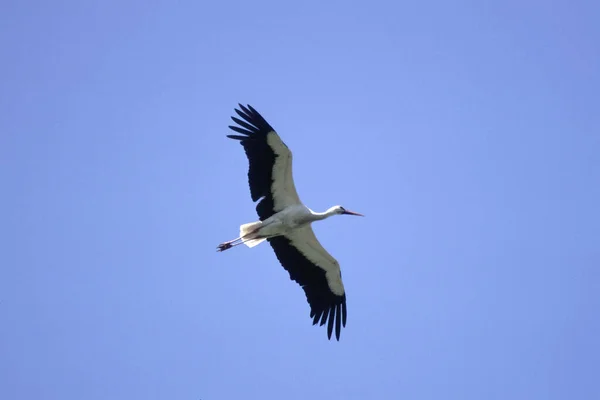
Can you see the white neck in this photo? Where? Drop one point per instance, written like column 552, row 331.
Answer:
column 317, row 216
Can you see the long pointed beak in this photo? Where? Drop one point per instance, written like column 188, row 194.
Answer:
column 353, row 213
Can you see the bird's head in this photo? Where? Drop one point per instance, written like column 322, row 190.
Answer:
column 339, row 210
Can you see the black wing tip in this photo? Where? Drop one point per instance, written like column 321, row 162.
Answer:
column 244, row 111
column 237, row 137
column 248, row 109
column 335, row 316
column 250, row 115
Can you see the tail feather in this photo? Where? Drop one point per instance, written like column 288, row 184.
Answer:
column 249, row 235
column 249, row 227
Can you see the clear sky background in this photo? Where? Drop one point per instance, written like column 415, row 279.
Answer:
column 468, row 133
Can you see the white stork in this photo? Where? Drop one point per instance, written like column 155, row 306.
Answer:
column 286, row 223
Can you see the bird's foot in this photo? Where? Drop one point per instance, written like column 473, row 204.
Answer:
column 224, row 246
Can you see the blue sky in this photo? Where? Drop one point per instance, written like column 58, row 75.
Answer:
column 467, row 132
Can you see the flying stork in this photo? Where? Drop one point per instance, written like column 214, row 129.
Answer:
column 286, row 223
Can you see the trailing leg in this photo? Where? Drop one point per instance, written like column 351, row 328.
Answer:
column 248, row 235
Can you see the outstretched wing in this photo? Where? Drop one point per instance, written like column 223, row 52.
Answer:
column 317, row 272
column 270, row 170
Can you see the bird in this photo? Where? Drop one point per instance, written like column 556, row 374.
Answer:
column 286, row 223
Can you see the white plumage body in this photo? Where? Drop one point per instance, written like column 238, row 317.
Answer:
column 285, row 221
column 281, row 223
